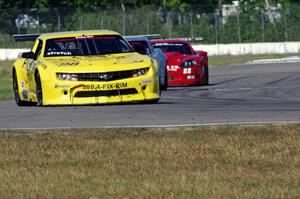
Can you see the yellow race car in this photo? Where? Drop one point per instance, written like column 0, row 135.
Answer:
column 83, row 67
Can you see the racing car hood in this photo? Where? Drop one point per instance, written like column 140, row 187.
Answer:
column 176, row 58
column 100, row 63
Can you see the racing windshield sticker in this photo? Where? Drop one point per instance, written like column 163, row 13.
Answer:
column 135, row 43
column 58, row 53
column 168, row 44
column 85, row 37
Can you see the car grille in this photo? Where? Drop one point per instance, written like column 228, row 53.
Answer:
column 106, row 93
column 107, row 76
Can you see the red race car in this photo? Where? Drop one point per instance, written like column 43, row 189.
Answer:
column 185, row 66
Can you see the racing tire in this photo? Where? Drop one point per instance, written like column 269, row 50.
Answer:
column 154, row 101
column 39, row 91
column 206, row 76
column 164, row 87
column 18, row 100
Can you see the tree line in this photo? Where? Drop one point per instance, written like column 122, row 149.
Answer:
column 170, row 18
column 181, row 4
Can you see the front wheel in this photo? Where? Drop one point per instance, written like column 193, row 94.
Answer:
column 153, row 101
column 39, row 91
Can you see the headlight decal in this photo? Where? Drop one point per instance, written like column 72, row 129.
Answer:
column 67, row 76
column 139, row 72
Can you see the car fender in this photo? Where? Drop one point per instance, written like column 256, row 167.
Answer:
column 18, row 66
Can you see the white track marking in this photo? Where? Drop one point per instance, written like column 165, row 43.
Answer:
column 291, row 59
column 155, row 126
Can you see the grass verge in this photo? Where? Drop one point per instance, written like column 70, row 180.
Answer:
column 205, row 162
column 6, row 91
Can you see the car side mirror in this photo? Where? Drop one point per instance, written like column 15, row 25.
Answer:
column 148, row 52
column 28, row 55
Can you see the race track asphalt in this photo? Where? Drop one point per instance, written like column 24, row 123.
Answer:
column 250, row 93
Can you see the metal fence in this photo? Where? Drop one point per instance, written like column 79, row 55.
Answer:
column 236, row 25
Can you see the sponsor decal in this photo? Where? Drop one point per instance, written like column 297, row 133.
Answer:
column 104, row 86
column 70, row 63
column 172, row 67
column 190, row 77
column 42, row 64
column 30, row 66
column 75, row 87
column 25, row 94
column 61, row 86
column 145, row 81
column 23, row 84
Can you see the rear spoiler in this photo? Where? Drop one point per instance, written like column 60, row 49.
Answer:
column 201, row 52
column 149, row 37
column 33, row 37
column 25, row 37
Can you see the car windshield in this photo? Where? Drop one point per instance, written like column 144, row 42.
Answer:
column 181, row 48
column 86, row 45
column 141, row 47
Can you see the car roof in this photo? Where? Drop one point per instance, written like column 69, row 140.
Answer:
column 76, row 33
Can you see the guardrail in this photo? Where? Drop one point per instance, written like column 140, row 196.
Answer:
column 250, row 48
